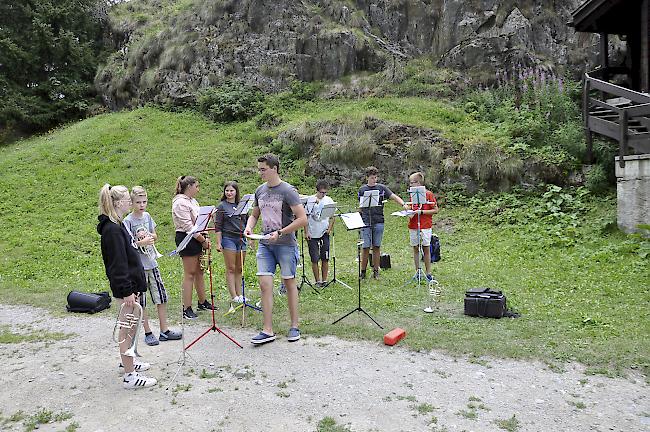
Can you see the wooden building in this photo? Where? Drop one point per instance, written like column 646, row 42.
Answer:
column 618, row 109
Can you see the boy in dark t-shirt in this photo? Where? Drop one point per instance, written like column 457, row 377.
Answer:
column 373, row 217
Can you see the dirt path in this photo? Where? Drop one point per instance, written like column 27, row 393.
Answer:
column 293, row 386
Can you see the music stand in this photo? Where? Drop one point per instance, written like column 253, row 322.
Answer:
column 370, row 199
column 309, row 203
column 201, row 225
column 354, row 221
column 329, row 210
column 418, row 195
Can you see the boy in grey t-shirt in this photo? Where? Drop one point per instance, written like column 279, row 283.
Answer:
column 278, row 203
column 143, row 230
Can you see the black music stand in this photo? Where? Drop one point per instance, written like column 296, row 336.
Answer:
column 369, row 199
column 334, row 279
column 309, row 204
column 355, row 222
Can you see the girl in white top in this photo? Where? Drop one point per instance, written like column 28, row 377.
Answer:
column 185, row 210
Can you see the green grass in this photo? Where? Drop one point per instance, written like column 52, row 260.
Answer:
column 9, row 337
column 585, row 303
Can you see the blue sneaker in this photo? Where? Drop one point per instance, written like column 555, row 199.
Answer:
column 430, row 278
column 263, row 338
column 293, row 335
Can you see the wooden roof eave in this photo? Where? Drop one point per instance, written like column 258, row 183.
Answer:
column 586, row 17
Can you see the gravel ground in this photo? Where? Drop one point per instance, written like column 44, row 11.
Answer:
column 284, row 386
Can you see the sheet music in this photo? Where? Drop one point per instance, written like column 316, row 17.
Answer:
column 310, row 204
column 244, row 206
column 418, row 195
column 369, row 199
column 352, row 220
column 205, row 212
column 327, row 211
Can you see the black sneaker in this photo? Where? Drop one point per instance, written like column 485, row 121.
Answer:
column 189, row 314
column 206, row 305
column 375, row 274
column 363, row 274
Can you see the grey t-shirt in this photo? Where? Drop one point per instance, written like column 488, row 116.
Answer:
column 275, row 208
column 377, row 213
column 229, row 225
column 140, row 228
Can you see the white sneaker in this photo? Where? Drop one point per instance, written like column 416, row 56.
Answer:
column 243, row 299
column 139, row 366
column 134, row 380
column 237, row 299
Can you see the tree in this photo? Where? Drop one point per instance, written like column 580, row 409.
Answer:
column 48, row 56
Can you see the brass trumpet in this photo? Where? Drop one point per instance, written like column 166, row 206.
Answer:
column 131, row 320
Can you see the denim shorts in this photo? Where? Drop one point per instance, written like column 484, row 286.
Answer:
column 235, row 244
column 377, row 234
column 269, row 256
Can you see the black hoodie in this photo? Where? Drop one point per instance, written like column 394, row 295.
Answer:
column 121, row 260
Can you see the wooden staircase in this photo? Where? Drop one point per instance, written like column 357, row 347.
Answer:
column 618, row 113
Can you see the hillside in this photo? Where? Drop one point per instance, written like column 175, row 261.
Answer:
column 166, row 50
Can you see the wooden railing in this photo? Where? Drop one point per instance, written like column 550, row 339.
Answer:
column 617, row 112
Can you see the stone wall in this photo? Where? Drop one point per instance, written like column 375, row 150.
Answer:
column 633, row 192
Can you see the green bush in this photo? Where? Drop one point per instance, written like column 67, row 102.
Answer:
column 597, row 180
column 232, row 101
column 539, row 111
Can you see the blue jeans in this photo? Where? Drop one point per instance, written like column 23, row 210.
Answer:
column 233, row 243
column 377, row 235
column 269, row 256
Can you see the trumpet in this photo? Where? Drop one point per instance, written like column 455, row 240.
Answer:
column 131, row 320
column 204, row 261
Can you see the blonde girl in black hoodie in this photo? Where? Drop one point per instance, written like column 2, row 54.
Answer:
column 124, row 271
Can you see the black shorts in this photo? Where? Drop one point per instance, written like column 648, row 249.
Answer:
column 319, row 248
column 193, row 248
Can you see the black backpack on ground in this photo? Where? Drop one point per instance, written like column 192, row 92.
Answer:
column 487, row 303
column 88, row 302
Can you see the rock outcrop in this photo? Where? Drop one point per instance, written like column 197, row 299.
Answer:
column 168, row 49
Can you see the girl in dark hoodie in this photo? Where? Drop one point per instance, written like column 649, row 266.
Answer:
column 124, row 271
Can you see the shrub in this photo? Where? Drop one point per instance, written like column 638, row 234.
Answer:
column 597, row 180
column 305, row 91
column 232, row 101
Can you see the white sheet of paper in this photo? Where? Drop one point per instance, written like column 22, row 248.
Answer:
column 244, row 205
column 352, row 220
column 310, row 204
column 327, row 211
column 403, row 213
column 369, row 199
column 201, row 223
column 418, row 194
column 258, row 236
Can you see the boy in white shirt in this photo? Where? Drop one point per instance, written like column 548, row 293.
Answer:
column 318, row 233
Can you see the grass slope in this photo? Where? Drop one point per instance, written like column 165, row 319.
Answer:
column 586, row 303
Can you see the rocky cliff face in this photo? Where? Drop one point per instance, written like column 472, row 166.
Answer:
column 168, row 49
